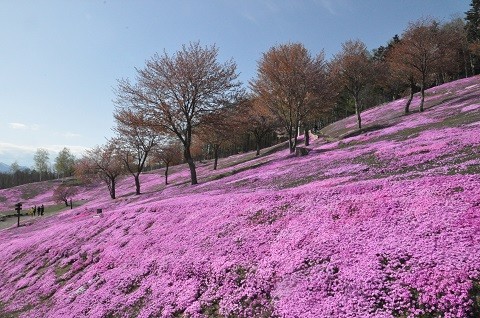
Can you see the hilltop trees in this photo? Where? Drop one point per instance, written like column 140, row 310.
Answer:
column 420, row 52
column 176, row 92
column 41, row 159
column 455, row 51
column 397, row 62
column 290, row 82
column 65, row 163
column 353, row 70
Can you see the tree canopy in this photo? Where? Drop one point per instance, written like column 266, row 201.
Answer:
column 65, row 163
column 176, row 92
column 290, row 81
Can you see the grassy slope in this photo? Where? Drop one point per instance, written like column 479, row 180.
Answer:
column 382, row 224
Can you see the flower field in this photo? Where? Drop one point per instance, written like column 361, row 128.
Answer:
column 385, row 223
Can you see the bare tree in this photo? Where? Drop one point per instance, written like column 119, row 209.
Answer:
column 176, row 92
column 400, row 71
column 104, row 163
column 169, row 153
column 354, row 71
column 455, row 50
column 421, row 52
column 135, row 141
column 64, row 192
column 218, row 129
column 257, row 119
column 290, row 82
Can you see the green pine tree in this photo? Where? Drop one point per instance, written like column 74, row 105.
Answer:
column 473, row 34
column 473, row 21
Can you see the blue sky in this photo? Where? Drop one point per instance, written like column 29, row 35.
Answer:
column 59, row 60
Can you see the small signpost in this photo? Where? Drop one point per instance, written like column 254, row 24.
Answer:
column 18, row 208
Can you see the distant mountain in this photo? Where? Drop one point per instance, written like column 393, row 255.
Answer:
column 4, row 168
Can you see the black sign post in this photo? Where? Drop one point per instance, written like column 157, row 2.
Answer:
column 18, row 207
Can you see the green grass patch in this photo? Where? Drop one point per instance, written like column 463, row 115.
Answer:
column 265, row 217
column 211, row 310
column 235, row 171
column 43, row 268
column 371, row 160
column 474, row 294
column 296, row 182
column 13, row 314
column 60, row 271
column 55, row 208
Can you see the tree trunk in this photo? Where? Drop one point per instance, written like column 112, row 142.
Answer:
column 215, row 156
column 66, row 202
column 307, row 137
column 258, row 141
column 193, row 172
column 191, row 165
column 112, row 188
column 246, row 145
column 422, row 92
column 407, row 106
column 294, row 143
column 291, row 146
column 137, row 183
column 472, row 64
column 166, row 173
column 357, row 112
column 465, row 63
column 295, row 136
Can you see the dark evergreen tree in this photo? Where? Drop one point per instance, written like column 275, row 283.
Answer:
column 473, row 34
column 473, row 21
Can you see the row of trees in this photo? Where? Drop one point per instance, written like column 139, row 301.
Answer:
column 190, row 102
column 63, row 166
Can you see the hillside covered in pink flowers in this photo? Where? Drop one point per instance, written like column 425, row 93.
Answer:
column 384, row 223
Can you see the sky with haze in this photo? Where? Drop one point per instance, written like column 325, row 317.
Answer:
column 60, row 60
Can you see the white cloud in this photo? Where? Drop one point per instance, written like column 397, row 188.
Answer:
column 6, row 147
column 17, row 126
column 71, row 135
column 20, row 126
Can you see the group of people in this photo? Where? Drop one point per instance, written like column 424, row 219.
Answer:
column 37, row 211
